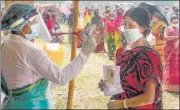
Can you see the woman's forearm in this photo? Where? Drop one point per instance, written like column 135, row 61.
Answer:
column 138, row 101
column 144, row 99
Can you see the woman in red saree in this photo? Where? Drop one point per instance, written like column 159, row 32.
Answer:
column 172, row 56
column 141, row 67
column 109, row 34
column 50, row 20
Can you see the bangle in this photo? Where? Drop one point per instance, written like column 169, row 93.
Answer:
column 124, row 103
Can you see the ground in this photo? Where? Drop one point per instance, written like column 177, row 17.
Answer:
column 86, row 92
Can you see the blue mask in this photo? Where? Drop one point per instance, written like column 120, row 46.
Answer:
column 30, row 36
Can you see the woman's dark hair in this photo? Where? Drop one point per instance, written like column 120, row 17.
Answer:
column 158, row 16
column 141, row 17
column 174, row 17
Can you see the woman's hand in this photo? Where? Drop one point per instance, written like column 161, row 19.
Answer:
column 102, row 85
column 115, row 104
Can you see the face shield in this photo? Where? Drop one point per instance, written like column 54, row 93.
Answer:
column 36, row 23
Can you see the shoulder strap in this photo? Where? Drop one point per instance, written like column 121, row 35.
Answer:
column 3, row 83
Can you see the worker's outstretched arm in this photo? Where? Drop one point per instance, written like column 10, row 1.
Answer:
column 42, row 64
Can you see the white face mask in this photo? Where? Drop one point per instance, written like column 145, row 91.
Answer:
column 31, row 36
column 132, row 35
column 175, row 25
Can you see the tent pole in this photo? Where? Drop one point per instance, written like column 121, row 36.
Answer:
column 73, row 52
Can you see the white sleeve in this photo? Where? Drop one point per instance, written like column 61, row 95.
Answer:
column 44, row 66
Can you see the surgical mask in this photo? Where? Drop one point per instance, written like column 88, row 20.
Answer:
column 132, row 35
column 175, row 25
column 30, row 36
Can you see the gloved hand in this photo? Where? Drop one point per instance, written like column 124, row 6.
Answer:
column 88, row 46
column 89, row 43
column 90, row 29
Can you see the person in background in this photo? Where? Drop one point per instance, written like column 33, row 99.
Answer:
column 88, row 17
column 50, row 20
column 174, row 8
column 117, row 24
column 141, row 67
column 104, row 21
column 167, row 11
column 59, row 17
column 57, row 38
column 100, row 39
column 177, row 12
column 115, row 8
column 63, row 18
column 45, row 18
column 107, row 7
column 92, row 7
column 85, row 11
column 171, row 70
column 110, row 35
column 26, row 69
column 70, row 24
column 157, row 30
column 106, row 15
column 66, row 18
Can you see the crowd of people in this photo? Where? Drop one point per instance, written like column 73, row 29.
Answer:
column 53, row 24
column 163, row 37
column 144, row 45
column 111, row 22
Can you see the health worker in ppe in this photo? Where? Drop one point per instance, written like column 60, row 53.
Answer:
column 26, row 69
